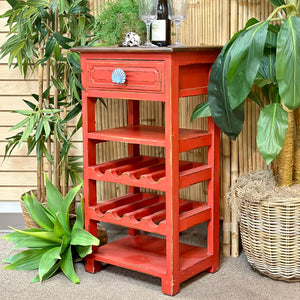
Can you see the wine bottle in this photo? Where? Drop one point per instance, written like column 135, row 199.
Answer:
column 161, row 28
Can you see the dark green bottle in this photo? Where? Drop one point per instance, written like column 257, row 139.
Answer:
column 161, row 28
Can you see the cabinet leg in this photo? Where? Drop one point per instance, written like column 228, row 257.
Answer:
column 213, row 269
column 91, row 265
column 132, row 231
column 170, row 287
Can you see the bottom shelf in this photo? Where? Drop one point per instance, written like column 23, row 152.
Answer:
column 147, row 254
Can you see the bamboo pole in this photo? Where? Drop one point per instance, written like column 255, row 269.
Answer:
column 56, row 151
column 47, row 103
column 234, row 217
column 39, row 163
column 225, row 188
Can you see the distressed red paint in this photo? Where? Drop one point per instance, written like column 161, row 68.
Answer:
column 161, row 74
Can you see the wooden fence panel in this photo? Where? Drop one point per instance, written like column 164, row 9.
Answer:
column 209, row 22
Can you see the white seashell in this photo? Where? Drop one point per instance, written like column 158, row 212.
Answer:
column 132, row 40
column 118, row 76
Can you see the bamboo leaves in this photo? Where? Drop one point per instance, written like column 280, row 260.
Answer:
column 37, row 38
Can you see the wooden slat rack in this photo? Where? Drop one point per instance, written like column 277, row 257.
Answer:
column 165, row 75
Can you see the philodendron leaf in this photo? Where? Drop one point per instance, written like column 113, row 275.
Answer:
column 202, row 110
column 25, row 260
column 48, row 260
column 83, row 238
column 67, row 266
column 288, row 62
column 245, row 60
column 277, row 3
column 272, row 126
column 266, row 73
column 228, row 120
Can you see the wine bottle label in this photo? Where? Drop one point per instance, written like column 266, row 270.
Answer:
column 159, row 30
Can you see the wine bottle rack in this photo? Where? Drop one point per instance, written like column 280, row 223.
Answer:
column 165, row 75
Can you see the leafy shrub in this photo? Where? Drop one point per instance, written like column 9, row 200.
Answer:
column 115, row 19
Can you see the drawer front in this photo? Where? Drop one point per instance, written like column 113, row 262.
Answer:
column 141, row 75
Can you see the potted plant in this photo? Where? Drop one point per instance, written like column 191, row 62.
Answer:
column 264, row 54
column 40, row 36
column 57, row 244
column 114, row 20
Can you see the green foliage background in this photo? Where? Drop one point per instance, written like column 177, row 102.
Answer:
column 115, row 19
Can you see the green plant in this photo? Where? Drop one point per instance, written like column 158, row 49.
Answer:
column 115, row 19
column 56, row 244
column 264, row 54
column 41, row 33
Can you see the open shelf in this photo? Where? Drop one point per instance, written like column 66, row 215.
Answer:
column 148, row 172
column 147, row 212
column 153, row 135
column 147, row 254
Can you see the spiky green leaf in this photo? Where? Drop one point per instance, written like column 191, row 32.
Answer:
column 67, row 266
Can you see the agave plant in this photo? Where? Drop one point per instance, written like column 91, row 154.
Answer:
column 56, row 244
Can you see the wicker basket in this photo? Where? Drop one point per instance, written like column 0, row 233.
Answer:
column 270, row 233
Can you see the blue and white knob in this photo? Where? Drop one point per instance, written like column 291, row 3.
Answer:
column 118, row 76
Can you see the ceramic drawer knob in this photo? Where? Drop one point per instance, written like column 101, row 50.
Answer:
column 118, row 76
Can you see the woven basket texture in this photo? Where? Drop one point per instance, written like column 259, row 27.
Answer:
column 270, row 233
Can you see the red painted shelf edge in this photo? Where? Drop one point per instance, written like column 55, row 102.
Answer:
column 154, row 136
column 147, row 254
column 188, row 217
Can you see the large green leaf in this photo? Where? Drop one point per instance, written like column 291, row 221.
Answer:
column 83, row 238
column 50, row 273
column 266, row 73
column 25, row 260
column 244, row 63
column 42, row 234
column 48, row 260
column 67, row 266
column 15, row 237
column 67, row 202
column 288, row 62
column 202, row 110
column 79, row 223
column 228, row 120
column 54, row 197
column 33, row 242
column 38, row 212
column 271, row 131
column 83, row 251
column 61, row 230
column 277, row 3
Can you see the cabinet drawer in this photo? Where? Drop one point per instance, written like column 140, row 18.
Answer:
column 141, row 75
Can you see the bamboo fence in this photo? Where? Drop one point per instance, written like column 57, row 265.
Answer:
column 209, row 22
